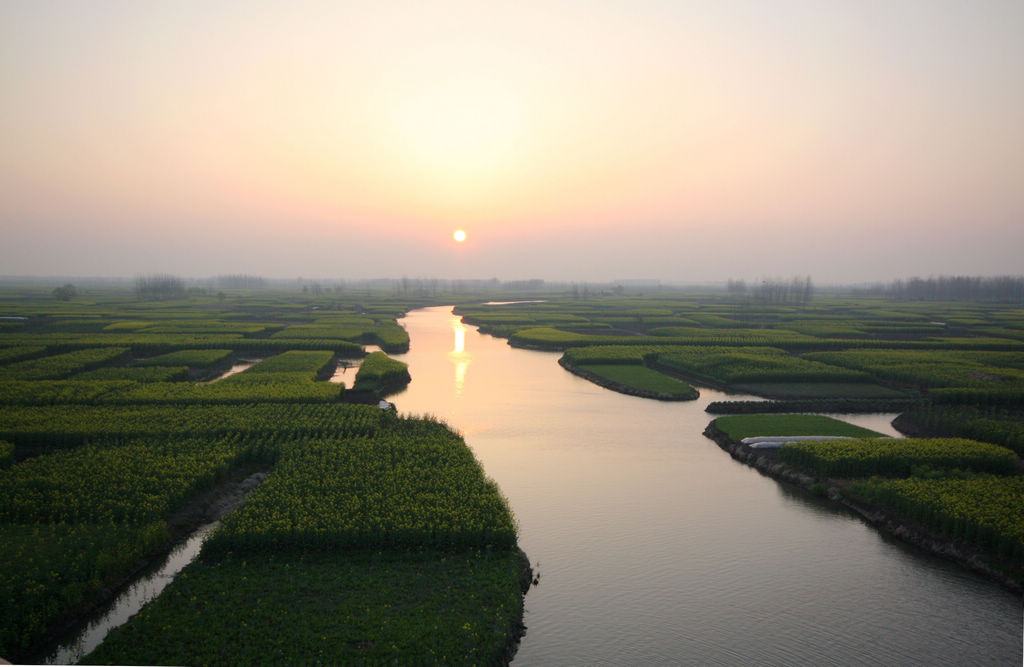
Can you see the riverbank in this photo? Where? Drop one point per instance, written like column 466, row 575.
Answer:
column 886, row 521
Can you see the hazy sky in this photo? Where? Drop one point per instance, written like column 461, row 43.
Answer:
column 686, row 141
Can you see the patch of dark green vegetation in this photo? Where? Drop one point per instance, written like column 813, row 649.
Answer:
column 897, row 457
column 791, row 390
column 109, row 447
column 363, row 608
column 1002, row 426
column 356, row 553
column 381, row 375
column 6, row 453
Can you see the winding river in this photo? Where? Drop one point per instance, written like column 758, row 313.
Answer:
column 653, row 546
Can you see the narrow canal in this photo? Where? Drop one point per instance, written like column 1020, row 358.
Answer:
column 654, row 546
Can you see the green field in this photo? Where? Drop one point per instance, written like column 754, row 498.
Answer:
column 642, row 379
column 787, row 390
column 405, row 550
column 983, row 510
column 897, row 457
column 370, row 608
column 738, row 427
column 381, row 375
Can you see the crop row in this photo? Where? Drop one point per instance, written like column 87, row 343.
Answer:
column 136, row 482
column 58, row 392
column 408, row 608
column 48, row 571
column 73, row 424
column 185, row 326
column 414, row 485
column 986, row 510
column 144, row 344
column 348, row 329
column 733, row 365
column 996, row 426
column 61, row 365
column 388, row 335
column 1009, row 397
column 19, row 352
column 896, row 457
column 556, row 339
column 137, row 374
column 72, row 522
column 550, row 338
column 190, row 358
column 309, row 363
column 930, row 368
column 270, row 388
column 834, row 405
column 612, row 354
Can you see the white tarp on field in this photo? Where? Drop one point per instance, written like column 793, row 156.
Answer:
column 775, row 441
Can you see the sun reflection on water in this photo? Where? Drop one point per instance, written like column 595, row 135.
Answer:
column 458, row 355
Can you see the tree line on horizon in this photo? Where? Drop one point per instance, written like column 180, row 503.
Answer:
column 796, row 292
column 1005, row 289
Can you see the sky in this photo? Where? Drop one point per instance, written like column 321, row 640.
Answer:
column 687, row 142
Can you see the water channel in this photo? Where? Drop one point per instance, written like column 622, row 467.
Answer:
column 654, row 547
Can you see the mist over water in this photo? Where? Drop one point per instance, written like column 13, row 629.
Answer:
column 654, row 546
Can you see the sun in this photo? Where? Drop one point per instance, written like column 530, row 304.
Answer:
column 459, row 235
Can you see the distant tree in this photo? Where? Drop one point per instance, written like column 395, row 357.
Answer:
column 159, row 286
column 1007, row 289
column 65, row 292
column 240, row 281
column 797, row 291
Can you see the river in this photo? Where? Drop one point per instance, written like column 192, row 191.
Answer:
column 653, row 546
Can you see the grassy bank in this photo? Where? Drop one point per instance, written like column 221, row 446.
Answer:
column 957, row 498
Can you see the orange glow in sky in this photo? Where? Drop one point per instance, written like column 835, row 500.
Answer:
column 270, row 139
